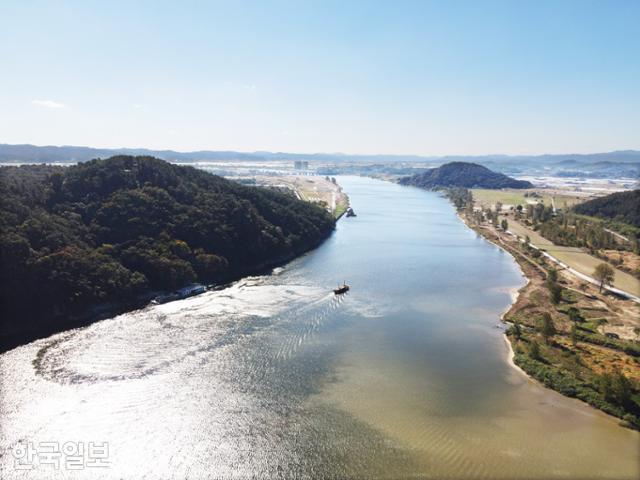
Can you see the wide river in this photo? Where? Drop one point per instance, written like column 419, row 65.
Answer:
column 408, row 375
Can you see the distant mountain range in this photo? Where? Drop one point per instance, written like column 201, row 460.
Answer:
column 41, row 154
column 595, row 165
column 463, row 174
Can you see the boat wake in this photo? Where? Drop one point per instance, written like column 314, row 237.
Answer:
column 155, row 339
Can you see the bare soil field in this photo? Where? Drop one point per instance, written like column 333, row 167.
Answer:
column 312, row 188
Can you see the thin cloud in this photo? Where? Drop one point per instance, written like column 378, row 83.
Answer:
column 48, row 104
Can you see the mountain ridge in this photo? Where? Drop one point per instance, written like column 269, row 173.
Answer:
column 69, row 153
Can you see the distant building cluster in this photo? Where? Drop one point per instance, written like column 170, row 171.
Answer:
column 301, row 165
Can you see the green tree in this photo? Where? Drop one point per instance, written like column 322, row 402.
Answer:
column 574, row 314
column 180, row 248
column 605, row 386
column 210, row 267
column 534, row 350
column 556, row 292
column 615, row 388
column 515, row 330
column 547, row 328
column 574, row 334
column 604, row 274
column 621, row 387
column 504, row 224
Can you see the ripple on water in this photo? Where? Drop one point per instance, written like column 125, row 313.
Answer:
column 148, row 341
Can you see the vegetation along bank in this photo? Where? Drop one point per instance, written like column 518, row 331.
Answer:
column 105, row 234
column 571, row 335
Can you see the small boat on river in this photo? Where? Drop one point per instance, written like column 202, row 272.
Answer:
column 344, row 288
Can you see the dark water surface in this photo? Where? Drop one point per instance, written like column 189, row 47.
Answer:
column 275, row 377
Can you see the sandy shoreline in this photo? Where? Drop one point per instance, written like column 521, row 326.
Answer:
column 514, row 293
column 510, row 359
column 510, row 352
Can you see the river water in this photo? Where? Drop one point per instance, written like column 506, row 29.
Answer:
column 275, row 377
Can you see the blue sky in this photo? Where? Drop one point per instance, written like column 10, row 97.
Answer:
column 432, row 78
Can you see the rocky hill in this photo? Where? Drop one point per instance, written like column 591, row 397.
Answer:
column 462, row 174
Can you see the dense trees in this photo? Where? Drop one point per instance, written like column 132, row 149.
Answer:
column 573, row 231
column 108, row 230
column 463, row 174
column 622, row 206
column 616, row 388
column 571, row 228
column 460, row 197
column 600, row 236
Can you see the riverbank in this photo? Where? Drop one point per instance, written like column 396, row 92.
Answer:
column 324, row 191
column 573, row 357
column 106, row 233
column 10, row 340
column 579, row 260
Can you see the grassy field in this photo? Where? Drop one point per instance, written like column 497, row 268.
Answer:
column 516, row 197
column 318, row 189
column 575, row 258
column 342, row 204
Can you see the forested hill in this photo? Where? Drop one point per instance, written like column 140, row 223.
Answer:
column 463, row 174
column 621, row 206
column 109, row 230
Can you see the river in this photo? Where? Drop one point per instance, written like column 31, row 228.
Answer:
column 275, row 377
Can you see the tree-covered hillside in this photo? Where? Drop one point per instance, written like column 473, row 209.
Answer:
column 110, row 230
column 622, row 206
column 463, row 174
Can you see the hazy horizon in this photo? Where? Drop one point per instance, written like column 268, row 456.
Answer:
column 349, row 154
column 415, row 78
